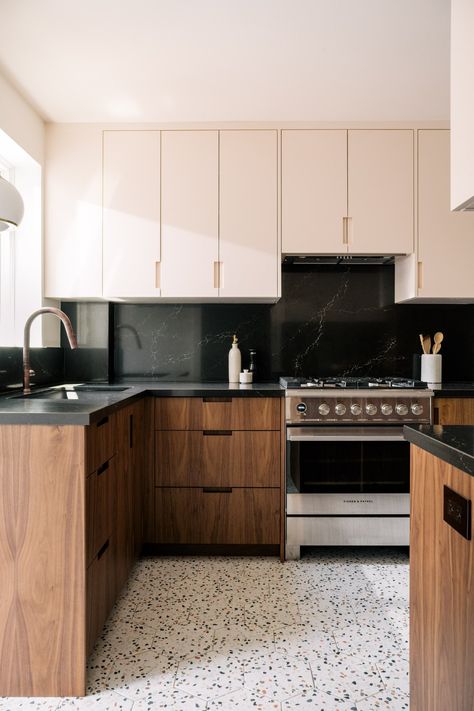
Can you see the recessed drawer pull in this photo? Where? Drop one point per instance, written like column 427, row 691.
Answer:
column 103, row 549
column 217, row 433
column 103, row 468
column 217, row 399
column 217, row 490
column 103, row 421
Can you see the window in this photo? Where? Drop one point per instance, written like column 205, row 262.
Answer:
column 21, row 271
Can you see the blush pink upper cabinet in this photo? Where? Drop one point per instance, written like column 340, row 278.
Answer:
column 380, row 191
column 249, row 261
column 189, row 214
column 131, row 215
column 314, row 191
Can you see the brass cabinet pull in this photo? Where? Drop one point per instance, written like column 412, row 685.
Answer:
column 217, row 490
column 157, row 275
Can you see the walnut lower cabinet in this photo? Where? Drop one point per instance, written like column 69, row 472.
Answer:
column 441, row 591
column 217, row 471
column 453, row 411
column 66, row 544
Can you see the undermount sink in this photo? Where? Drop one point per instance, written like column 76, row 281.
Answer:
column 72, row 392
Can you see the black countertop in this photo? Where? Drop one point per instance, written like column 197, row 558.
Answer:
column 91, row 406
column 453, row 444
column 465, row 389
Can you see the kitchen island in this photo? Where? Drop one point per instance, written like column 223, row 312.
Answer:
column 441, row 568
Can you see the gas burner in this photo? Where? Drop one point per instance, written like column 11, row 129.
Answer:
column 352, row 383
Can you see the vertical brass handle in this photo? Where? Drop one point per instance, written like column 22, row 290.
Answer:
column 420, row 275
column 344, row 230
column 216, row 275
column 157, row 275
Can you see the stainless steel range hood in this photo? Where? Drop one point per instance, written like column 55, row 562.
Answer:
column 330, row 260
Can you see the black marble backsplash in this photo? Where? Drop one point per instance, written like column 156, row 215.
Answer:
column 329, row 321
column 48, row 364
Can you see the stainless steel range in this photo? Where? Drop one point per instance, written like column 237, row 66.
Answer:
column 348, row 465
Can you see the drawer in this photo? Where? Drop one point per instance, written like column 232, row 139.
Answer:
column 236, row 516
column 217, row 413
column 100, row 591
column 100, row 445
column 217, row 458
column 100, row 507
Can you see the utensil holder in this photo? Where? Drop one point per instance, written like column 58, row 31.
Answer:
column 431, row 368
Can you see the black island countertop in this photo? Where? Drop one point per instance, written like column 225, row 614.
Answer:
column 461, row 389
column 91, row 406
column 453, row 444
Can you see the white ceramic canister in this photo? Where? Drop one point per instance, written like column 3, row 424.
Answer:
column 431, row 368
column 246, row 377
column 235, row 362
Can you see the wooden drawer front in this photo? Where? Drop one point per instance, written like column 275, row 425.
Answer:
column 100, row 507
column 453, row 411
column 217, row 458
column 100, row 444
column 239, row 516
column 100, row 591
column 217, row 413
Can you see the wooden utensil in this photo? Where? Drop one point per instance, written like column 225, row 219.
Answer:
column 427, row 344
column 438, row 338
column 422, row 341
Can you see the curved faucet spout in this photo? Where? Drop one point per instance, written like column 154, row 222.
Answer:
column 26, row 340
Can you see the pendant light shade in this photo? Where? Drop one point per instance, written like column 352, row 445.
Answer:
column 11, row 205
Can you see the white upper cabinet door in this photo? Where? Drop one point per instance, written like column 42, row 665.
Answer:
column 314, row 191
column 131, row 216
column 445, row 238
column 248, row 214
column 189, row 214
column 73, row 212
column 380, row 191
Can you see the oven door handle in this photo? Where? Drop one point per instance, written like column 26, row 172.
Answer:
column 346, row 434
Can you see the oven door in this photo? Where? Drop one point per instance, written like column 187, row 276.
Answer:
column 347, row 471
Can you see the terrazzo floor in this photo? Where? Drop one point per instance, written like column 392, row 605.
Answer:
column 329, row 633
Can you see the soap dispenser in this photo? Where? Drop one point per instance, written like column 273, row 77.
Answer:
column 235, row 361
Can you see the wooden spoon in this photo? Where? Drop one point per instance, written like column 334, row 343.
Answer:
column 438, row 338
column 426, row 344
column 422, row 341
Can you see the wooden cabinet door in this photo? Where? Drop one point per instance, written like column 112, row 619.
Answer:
column 445, row 238
column 236, row 516
column 314, row 191
column 101, row 506
column 453, row 411
column 189, row 213
column 380, row 191
column 100, row 595
column 249, row 259
column 131, row 213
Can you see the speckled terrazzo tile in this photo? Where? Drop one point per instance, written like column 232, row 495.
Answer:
column 374, row 644
column 243, row 700
column 218, row 612
column 240, row 644
column 315, row 700
column 136, row 677
column 105, row 701
column 277, row 677
column 327, row 614
column 345, row 678
column 386, row 701
column 174, row 700
column 208, row 677
column 159, row 615
column 304, row 642
column 395, row 674
column 267, row 616
column 30, row 703
column 123, row 640
column 181, row 642
column 386, row 616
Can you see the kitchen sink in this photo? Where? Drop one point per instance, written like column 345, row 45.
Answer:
column 72, row 392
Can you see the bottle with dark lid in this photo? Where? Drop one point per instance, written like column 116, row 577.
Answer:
column 253, row 364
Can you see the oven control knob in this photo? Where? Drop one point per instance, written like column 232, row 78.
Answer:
column 301, row 407
column 371, row 409
column 340, row 409
column 417, row 409
column 386, row 408
column 401, row 409
column 323, row 409
column 356, row 409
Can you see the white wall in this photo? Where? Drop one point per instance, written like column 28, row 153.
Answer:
column 21, row 121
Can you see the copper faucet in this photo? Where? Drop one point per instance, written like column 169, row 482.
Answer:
column 26, row 341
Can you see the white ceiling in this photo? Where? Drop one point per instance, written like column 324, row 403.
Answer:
column 229, row 60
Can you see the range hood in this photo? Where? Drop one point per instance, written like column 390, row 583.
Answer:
column 330, row 260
